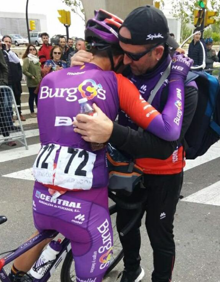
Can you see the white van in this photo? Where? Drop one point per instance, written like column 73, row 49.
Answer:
column 35, row 37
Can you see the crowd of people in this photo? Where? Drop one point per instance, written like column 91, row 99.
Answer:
column 36, row 64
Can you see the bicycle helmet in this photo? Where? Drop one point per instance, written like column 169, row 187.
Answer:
column 209, row 40
column 102, row 33
column 104, row 27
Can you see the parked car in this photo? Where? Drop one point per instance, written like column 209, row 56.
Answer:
column 17, row 39
column 35, row 38
column 55, row 39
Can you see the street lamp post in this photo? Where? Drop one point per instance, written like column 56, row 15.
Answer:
column 27, row 22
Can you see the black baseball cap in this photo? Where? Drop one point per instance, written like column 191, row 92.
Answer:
column 147, row 25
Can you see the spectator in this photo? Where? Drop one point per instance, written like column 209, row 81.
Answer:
column 195, row 51
column 15, row 74
column 44, row 51
column 3, row 114
column 70, row 45
column 70, row 48
column 64, row 48
column 80, row 45
column 32, row 71
column 55, row 63
column 211, row 56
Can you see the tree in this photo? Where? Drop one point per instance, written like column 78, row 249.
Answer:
column 76, row 7
column 183, row 9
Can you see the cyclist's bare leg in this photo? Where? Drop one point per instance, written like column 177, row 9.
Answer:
column 26, row 260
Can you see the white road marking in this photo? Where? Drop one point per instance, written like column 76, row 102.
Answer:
column 209, row 195
column 28, row 133
column 18, row 153
column 25, row 174
column 212, row 154
column 27, row 112
column 24, row 105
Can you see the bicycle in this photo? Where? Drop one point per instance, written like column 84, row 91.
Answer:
column 65, row 255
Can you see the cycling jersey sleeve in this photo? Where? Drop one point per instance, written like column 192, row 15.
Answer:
column 166, row 125
column 144, row 144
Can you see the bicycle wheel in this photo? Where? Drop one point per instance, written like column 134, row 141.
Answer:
column 68, row 270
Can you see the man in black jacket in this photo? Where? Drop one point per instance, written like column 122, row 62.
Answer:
column 195, row 51
column 15, row 72
column 163, row 161
column 3, row 113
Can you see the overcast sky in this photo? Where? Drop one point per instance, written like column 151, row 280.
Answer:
column 49, row 8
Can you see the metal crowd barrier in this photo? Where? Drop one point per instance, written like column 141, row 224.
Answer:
column 9, row 132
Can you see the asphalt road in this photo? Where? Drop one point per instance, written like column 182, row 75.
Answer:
column 197, row 220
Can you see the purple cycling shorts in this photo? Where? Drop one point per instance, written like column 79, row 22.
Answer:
column 82, row 217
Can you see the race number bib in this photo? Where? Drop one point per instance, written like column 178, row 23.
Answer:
column 43, row 169
column 72, row 170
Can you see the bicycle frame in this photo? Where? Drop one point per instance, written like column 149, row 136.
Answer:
column 30, row 244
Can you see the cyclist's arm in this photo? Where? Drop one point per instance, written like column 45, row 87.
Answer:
column 166, row 125
column 144, row 143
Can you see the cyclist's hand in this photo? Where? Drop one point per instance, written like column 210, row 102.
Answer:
column 180, row 66
column 81, row 57
column 97, row 128
column 180, row 50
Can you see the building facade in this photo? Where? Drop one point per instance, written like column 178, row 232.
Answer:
column 15, row 23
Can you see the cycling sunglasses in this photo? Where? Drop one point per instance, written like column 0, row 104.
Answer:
column 102, row 15
column 56, row 53
column 136, row 57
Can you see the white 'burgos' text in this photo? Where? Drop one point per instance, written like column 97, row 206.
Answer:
column 68, row 93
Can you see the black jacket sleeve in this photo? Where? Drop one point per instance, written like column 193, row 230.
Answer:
column 144, row 144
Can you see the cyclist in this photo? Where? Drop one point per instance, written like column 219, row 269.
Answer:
column 82, row 216
column 163, row 161
column 211, row 55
